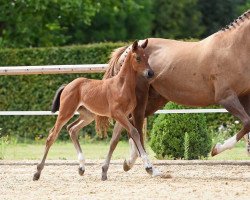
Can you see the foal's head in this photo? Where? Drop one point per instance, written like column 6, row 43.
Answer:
column 140, row 60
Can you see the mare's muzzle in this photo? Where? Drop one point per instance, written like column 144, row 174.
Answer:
column 149, row 73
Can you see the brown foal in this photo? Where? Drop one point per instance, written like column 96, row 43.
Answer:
column 114, row 98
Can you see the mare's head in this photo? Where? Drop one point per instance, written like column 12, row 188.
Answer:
column 139, row 60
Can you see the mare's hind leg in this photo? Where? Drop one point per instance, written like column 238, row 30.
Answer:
column 86, row 117
column 245, row 101
column 235, row 107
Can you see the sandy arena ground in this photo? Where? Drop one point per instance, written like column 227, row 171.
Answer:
column 60, row 180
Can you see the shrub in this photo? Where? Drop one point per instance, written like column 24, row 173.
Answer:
column 180, row 135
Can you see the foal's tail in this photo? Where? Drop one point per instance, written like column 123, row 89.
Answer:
column 56, row 101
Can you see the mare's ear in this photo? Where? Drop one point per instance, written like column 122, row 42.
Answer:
column 144, row 44
column 134, row 46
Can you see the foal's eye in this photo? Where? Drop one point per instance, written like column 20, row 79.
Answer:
column 138, row 59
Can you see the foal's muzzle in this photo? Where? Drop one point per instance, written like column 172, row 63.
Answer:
column 149, row 73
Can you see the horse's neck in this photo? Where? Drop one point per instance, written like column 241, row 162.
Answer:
column 246, row 33
column 242, row 38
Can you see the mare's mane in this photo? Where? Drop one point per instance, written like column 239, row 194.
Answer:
column 116, row 54
column 238, row 21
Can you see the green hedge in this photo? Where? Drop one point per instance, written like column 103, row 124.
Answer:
column 35, row 92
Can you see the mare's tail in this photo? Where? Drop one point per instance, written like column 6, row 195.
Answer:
column 56, row 101
column 101, row 125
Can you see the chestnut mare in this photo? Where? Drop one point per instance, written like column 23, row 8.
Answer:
column 114, row 98
column 215, row 70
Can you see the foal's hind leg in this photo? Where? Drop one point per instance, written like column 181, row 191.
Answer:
column 67, row 108
column 86, row 117
column 54, row 132
column 234, row 106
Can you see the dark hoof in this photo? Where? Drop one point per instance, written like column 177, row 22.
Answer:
column 104, row 172
column 81, row 171
column 125, row 166
column 214, row 151
column 36, row 176
column 149, row 170
column 104, row 177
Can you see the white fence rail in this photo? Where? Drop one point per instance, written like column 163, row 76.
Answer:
column 53, row 69
column 180, row 111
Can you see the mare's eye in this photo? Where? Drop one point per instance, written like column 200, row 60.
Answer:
column 138, row 59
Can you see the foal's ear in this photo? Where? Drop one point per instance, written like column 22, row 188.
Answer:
column 144, row 44
column 134, row 46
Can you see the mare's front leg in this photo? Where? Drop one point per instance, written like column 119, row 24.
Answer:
column 113, row 143
column 86, row 117
column 133, row 133
column 138, row 116
column 153, row 103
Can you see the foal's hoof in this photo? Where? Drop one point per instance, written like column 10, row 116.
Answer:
column 125, row 166
column 149, row 170
column 214, row 151
column 81, row 171
column 36, row 176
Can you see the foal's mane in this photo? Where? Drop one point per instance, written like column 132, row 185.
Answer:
column 237, row 22
column 114, row 58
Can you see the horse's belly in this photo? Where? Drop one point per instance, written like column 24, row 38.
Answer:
column 185, row 93
column 192, row 100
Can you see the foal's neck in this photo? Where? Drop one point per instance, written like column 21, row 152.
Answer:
column 127, row 75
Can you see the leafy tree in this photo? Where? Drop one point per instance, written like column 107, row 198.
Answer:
column 177, row 19
column 244, row 6
column 36, row 23
column 217, row 13
column 120, row 20
column 26, row 23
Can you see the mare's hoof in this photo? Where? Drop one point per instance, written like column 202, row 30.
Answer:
column 104, row 172
column 125, row 166
column 149, row 170
column 104, row 177
column 36, row 176
column 214, row 151
column 81, row 171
